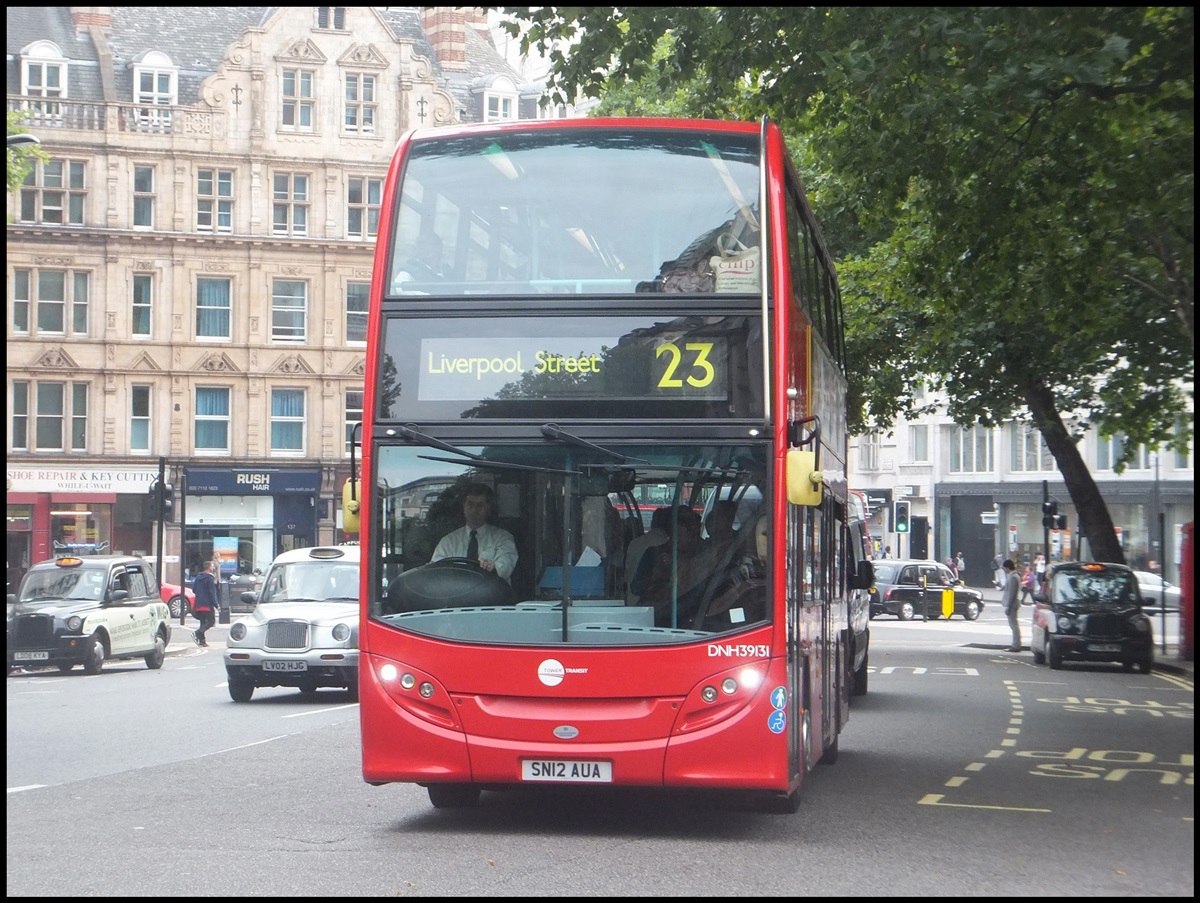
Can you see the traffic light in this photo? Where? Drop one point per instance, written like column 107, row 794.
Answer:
column 168, row 503
column 1060, row 522
column 162, row 501
column 900, row 517
column 1050, row 515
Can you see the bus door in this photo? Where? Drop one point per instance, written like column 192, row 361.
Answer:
column 797, row 657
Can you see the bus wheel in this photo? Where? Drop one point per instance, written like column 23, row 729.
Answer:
column 782, row 803
column 830, row 755
column 453, row 796
column 859, row 687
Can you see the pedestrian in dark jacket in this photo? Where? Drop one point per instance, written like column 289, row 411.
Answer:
column 205, row 606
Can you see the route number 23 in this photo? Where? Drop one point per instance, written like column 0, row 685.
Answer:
column 694, row 357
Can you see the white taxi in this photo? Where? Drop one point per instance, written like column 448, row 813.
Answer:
column 303, row 629
column 86, row 610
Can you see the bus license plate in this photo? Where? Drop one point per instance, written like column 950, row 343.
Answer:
column 31, row 656
column 1103, row 647
column 285, row 666
column 569, row 771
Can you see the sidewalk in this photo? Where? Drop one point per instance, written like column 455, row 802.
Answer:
column 1169, row 660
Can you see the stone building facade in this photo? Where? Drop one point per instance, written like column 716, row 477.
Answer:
column 188, row 266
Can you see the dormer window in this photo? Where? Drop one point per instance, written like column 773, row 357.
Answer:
column 499, row 98
column 155, row 89
column 44, row 81
column 331, row 17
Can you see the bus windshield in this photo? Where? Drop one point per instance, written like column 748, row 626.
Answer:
column 600, row 545
column 575, row 211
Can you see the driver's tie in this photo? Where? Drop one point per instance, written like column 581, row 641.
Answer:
column 473, row 547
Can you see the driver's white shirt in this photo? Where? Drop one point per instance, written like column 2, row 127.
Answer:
column 495, row 544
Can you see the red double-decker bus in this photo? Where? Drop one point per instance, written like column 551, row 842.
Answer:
column 604, row 512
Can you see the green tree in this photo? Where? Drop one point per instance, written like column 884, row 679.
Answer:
column 21, row 157
column 1010, row 192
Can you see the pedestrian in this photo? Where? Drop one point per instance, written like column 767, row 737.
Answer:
column 1011, row 602
column 960, row 567
column 205, row 606
column 887, row 551
column 997, row 572
column 1039, row 567
column 1028, row 584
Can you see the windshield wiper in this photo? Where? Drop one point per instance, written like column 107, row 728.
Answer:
column 412, row 432
column 555, row 432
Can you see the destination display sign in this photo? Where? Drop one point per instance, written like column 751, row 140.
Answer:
column 529, row 366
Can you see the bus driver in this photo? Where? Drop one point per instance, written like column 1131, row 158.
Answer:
column 493, row 547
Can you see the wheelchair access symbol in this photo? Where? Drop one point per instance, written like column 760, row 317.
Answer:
column 777, row 720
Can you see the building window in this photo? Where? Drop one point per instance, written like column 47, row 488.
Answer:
column 44, row 82
column 287, row 420
column 213, row 306
column 53, row 193
column 1029, row 450
column 143, row 197
column 354, row 415
column 60, row 416
column 143, row 304
column 356, row 311
column 1183, row 459
column 362, row 208
column 212, row 420
column 971, row 450
column 918, row 440
column 290, row 200
column 20, row 416
column 868, row 452
column 499, row 107
column 298, row 102
column 331, row 17
column 289, row 311
column 1109, row 451
column 360, row 103
column 139, row 419
column 42, row 299
column 214, row 200
column 154, row 92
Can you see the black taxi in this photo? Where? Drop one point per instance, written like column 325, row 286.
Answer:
column 1091, row 611
column 86, row 611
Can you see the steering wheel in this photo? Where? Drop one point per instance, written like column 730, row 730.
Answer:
column 456, row 562
column 448, row 583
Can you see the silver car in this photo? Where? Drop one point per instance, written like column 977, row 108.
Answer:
column 303, row 629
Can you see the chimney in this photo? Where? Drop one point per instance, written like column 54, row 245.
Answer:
column 445, row 28
column 85, row 16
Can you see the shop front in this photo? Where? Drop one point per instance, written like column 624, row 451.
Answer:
column 244, row 516
column 77, row 509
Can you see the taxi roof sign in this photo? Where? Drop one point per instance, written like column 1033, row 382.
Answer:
column 68, row 561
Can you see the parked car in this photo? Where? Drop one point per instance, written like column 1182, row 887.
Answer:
column 910, row 589
column 1156, row 592
column 175, row 596
column 85, row 611
column 303, row 627
column 1091, row 611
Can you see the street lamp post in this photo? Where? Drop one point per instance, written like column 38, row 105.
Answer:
column 24, row 138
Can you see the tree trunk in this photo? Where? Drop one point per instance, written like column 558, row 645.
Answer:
column 1095, row 522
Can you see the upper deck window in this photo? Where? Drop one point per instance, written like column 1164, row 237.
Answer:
column 599, row 211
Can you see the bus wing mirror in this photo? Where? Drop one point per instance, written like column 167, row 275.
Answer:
column 351, row 505
column 804, row 481
column 865, row 578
